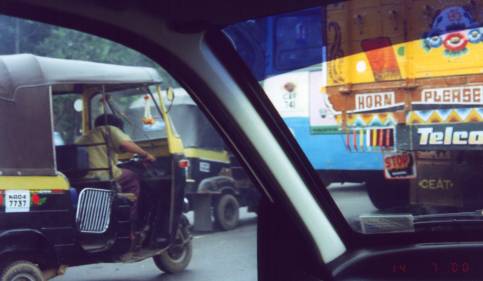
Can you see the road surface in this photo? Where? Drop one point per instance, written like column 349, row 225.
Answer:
column 228, row 255
column 219, row 256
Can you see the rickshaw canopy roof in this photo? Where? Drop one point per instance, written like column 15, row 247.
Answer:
column 26, row 83
column 26, row 70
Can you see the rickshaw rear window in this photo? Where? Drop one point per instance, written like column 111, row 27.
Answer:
column 67, row 123
column 131, row 106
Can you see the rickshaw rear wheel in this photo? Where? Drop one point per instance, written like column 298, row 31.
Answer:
column 21, row 271
column 227, row 212
column 177, row 257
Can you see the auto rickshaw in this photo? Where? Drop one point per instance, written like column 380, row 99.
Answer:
column 216, row 185
column 51, row 215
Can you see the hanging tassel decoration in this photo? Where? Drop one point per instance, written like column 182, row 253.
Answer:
column 148, row 118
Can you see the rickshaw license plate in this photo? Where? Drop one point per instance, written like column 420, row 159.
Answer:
column 17, row 201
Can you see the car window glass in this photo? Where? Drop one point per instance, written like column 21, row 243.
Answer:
column 157, row 189
column 384, row 98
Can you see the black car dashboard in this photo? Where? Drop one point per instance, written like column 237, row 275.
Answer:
column 434, row 261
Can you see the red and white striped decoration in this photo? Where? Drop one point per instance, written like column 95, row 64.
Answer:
column 369, row 139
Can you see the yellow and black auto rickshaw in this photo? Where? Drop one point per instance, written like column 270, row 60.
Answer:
column 216, row 185
column 52, row 215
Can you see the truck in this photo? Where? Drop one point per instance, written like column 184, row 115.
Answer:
column 385, row 93
column 217, row 185
column 404, row 81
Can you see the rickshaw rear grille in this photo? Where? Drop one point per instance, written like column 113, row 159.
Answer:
column 94, row 210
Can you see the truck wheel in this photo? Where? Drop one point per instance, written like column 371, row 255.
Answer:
column 21, row 271
column 227, row 212
column 177, row 257
column 387, row 194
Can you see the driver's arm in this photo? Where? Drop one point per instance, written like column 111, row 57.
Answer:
column 123, row 143
column 132, row 147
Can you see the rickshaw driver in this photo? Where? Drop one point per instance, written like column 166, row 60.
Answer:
column 109, row 129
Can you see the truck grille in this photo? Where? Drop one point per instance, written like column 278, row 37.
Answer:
column 94, row 210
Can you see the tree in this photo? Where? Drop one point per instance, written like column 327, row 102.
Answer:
column 24, row 36
column 21, row 36
column 71, row 44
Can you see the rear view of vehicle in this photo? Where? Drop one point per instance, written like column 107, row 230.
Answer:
column 408, row 85
column 57, row 208
column 216, row 184
column 386, row 94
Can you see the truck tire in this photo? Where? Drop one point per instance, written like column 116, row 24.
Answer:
column 177, row 257
column 388, row 194
column 20, row 271
column 227, row 212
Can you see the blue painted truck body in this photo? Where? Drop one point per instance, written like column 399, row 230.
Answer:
column 328, row 151
column 257, row 42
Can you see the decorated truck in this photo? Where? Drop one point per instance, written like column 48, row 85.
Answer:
column 396, row 102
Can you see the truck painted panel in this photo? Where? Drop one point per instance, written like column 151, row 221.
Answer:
column 375, row 43
column 396, row 80
column 387, row 64
column 292, row 95
column 408, row 63
column 328, row 152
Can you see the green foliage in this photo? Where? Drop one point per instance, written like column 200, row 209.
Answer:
column 21, row 36
column 24, row 36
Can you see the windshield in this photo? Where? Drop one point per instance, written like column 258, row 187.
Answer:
column 142, row 121
column 386, row 103
column 163, row 200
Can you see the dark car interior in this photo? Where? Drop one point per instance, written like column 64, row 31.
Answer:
column 286, row 251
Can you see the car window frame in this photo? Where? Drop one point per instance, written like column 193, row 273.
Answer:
column 191, row 80
column 354, row 240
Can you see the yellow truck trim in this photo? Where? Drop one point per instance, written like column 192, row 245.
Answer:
column 409, row 55
column 34, row 182
column 417, row 64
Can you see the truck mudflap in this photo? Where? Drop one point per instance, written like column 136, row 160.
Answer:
column 448, row 179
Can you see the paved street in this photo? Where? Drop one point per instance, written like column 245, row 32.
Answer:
column 219, row 256
column 229, row 255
